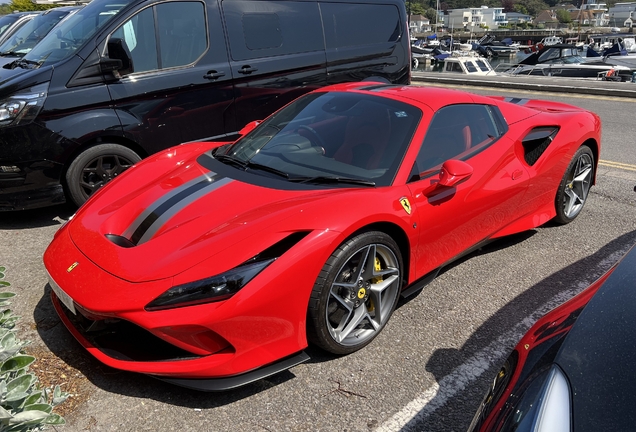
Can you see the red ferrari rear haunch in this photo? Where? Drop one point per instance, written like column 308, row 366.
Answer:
column 211, row 265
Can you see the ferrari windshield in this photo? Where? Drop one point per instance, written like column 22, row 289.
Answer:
column 73, row 32
column 346, row 138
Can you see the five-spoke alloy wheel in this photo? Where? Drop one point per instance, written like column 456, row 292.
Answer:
column 575, row 186
column 95, row 167
column 355, row 293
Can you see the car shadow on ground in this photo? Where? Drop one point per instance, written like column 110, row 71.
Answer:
column 494, row 246
column 446, row 360
column 36, row 218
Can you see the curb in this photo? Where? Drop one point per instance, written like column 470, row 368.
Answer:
column 545, row 84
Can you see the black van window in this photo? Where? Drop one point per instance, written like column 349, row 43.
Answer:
column 262, row 31
column 265, row 29
column 359, row 24
column 70, row 34
column 182, row 33
column 138, row 33
column 180, row 36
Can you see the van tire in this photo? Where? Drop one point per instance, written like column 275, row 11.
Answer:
column 95, row 167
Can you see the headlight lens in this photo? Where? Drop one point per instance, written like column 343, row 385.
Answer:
column 23, row 106
column 544, row 406
column 209, row 290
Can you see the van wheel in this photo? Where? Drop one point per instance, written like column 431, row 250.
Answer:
column 95, row 167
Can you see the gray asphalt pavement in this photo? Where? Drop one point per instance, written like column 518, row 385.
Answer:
column 428, row 369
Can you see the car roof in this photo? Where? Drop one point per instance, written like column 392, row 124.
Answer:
column 433, row 97
column 21, row 14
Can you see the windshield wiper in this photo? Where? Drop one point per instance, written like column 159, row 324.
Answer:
column 249, row 165
column 333, row 179
column 27, row 64
column 231, row 160
column 7, row 53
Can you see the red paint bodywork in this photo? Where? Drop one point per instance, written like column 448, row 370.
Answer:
column 265, row 320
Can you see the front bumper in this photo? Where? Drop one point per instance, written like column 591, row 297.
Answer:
column 257, row 332
column 30, row 185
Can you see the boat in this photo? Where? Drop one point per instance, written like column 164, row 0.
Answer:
column 563, row 60
column 619, row 54
column 487, row 46
column 467, row 63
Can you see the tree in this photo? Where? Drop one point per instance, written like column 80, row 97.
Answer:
column 431, row 14
column 5, row 9
column 416, row 9
column 534, row 7
column 508, row 5
column 563, row 16
column 28, row 5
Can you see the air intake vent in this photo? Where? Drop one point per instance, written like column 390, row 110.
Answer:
column 536, row 143
column 120, row 241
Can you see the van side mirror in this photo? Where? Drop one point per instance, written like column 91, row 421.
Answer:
column 118, row 54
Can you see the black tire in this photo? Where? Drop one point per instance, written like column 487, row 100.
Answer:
column 345, row 289
column 95, row 167
column 575, row 186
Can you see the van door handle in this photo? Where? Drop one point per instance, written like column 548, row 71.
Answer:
column 212, row 75
column 247, row 70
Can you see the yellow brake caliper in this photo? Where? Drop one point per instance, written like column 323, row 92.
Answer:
column 377, row 266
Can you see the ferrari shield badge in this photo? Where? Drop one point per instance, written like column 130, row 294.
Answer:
column 406, row 205
column 70, row 269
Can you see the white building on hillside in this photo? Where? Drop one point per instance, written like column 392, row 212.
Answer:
column 599, row 11
column 621, row 12
column 476, row 17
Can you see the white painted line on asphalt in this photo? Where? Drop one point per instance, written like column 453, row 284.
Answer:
column 412, row 416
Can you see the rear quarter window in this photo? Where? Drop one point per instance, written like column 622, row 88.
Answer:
column 359, row 24
column 259, row 29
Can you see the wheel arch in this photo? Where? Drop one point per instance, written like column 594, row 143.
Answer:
column 105, row 139
column 593, row 145
column 398, row 235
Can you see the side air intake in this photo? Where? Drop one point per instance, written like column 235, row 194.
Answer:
column 537, row 141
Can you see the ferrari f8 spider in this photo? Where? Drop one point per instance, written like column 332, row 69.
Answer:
column 211, row 265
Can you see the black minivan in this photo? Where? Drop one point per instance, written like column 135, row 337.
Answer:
column 122, row 79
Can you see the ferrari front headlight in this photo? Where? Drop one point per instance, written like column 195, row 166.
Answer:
column 24, row 106
column 209, row 290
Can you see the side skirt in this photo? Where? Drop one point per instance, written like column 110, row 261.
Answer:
column 420, row 283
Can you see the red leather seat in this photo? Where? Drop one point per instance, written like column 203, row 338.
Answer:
column 366, row 136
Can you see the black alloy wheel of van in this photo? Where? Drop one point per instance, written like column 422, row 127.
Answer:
column 95, row 167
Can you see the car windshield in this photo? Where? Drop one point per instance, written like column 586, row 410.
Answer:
column 22, row 41
column 335, row 138
column 6, row 21
column 73, row 32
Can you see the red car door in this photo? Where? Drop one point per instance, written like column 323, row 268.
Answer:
column 487, row 198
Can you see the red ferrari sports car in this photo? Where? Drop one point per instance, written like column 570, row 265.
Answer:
column 211, row 265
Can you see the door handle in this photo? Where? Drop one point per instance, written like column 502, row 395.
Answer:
column 516, row 174
column 247, row 70
column 212, row 75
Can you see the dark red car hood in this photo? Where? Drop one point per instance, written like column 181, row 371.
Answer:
column 179, row 214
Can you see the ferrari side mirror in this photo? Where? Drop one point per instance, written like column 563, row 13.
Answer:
column 454, row 172
column 249, row 127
